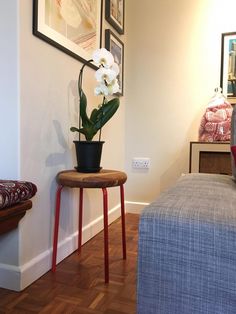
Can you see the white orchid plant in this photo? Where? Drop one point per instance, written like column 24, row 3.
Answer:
column 106, row 76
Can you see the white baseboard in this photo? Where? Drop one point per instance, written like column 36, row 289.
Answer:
column 134, row 207
column 19, row 277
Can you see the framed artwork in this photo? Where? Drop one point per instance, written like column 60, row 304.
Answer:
column 74, row 27
column 115, row 14
column 228, row 66
column 116, row 47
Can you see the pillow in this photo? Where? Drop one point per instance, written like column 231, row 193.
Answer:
column 13, row 192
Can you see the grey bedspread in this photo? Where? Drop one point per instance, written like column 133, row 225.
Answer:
column 187, row 248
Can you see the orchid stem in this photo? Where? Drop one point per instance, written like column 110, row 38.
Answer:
column 100, row 131
column 80, row 81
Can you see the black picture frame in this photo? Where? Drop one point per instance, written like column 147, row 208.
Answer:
column 73, row 39
column 115, row 14
column 116, row 47
column 228, row 66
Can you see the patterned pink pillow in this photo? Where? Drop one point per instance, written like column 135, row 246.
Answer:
column 13, row 192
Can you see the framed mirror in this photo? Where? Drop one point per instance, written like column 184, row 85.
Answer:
column 228, row 66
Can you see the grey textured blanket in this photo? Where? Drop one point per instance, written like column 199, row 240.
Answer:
column 187, row 248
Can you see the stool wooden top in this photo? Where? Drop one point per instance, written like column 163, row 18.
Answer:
column 102, row 179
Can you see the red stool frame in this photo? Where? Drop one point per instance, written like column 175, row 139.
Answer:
column 105, row 218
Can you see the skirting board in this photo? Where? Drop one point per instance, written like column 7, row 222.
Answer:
column 19, row 277
column 134, row 207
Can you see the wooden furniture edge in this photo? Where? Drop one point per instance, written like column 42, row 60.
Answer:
column 196, row 145
column 10, row 216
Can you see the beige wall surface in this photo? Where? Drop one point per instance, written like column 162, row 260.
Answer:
column 48, row 108
column 9, row 122
column 173, row 56
column 47, row 98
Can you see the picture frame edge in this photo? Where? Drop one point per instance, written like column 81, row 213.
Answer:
column 108, row 34
column 223, row 35
column 111, row 21
column 58, row 46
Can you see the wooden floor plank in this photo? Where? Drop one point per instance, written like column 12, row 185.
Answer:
column 78, row 284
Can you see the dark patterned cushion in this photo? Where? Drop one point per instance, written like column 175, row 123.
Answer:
column 233, row 151
column 233, row 161
column 13, row 192
column 233, row 141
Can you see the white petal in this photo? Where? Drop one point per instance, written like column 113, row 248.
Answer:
column 97, row 91
column 116, row 88
column 111, row 76
column 113, row 87
column 101, row 89
column 115, row 67
column 103, row 57
column 97, row 55
column 105, row 90
column 105, row 75
column 99, row 74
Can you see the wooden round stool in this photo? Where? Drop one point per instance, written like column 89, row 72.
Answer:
column 103, row 180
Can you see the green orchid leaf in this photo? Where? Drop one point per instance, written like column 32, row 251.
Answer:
column 88, row 132
column 106, row 112
column 94, row 115
column 74, row 129
column 83, row 107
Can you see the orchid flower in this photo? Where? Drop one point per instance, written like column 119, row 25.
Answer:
column 106, row 75
column 103, row 57
column 114, row 87
column 101, row 89
column 115, row 68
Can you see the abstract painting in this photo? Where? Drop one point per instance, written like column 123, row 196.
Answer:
column 73, row 26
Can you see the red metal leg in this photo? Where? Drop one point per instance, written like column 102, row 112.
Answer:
column 56, row 226
column 80, row 219
column 122, row 204
column 105, row 217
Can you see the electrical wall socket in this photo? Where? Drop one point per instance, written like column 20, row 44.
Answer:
column 140, row 163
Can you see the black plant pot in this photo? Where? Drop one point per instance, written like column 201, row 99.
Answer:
column 88, row 156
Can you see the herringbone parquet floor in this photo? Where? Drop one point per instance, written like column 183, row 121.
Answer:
column 78, row 284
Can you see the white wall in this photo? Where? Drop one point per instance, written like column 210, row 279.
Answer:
column 48, row 91
column 172, row 67
column 47, row 97
column 9, row 90
column 9, row 126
